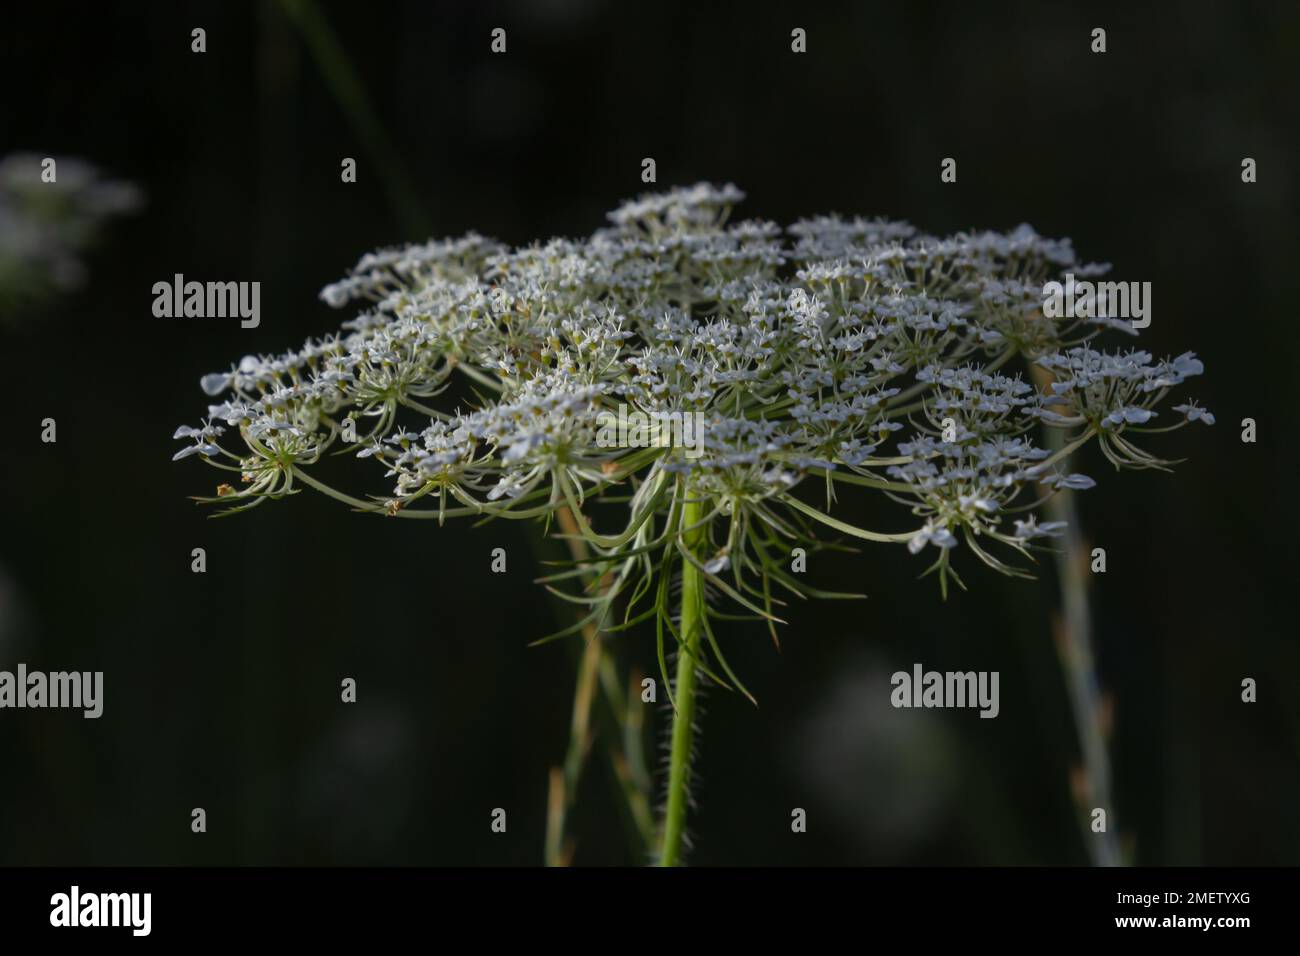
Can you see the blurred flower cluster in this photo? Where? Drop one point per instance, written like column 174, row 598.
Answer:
column 45, row 227
column 832, row 356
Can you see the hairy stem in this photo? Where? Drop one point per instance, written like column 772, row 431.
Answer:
column 683, row 739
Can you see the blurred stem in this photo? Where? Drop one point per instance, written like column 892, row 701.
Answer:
column 683, row 739
column 337, row 70
column 1091, row 787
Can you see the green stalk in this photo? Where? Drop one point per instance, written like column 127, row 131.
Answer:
column 679, row 759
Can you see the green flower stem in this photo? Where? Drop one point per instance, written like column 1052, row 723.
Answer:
column 679, row 759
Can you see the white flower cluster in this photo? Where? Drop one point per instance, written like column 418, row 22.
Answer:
column 859, row 353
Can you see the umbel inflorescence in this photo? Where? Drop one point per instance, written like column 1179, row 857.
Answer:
column 832, row 357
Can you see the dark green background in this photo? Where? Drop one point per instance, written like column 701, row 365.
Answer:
column 222, row 689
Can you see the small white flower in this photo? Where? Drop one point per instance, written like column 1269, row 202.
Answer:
column 930, row 533
column 200, row 449
column 1194, row 412
column 1028, row 530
